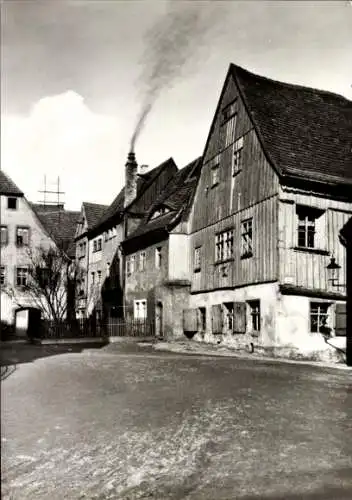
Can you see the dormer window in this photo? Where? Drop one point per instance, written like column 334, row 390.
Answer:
column 159, row 212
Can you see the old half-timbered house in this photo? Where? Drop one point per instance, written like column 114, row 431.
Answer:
column 157, row 259
column 105, row 279
column 274, row 191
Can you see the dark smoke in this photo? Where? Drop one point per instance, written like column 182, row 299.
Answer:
column 171, row 45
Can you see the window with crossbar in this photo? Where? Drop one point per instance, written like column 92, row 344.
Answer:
column 307, row 226
column 224, row 246
column 22, row 236
column 319, row 315
column 237, row 158
column 247, row 238
column 21, row 276
column 255, row 314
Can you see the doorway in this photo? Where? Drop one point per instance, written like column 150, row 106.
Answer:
column 159, row 320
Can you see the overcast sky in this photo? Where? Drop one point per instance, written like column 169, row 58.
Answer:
column 70, row 73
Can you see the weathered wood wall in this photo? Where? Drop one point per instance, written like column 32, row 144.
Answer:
column 308, row 268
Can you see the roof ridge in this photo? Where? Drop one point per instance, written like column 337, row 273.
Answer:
column 235, row 68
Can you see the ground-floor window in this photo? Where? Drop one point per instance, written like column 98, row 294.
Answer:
column 140, row 309
column 319, row 315
column 254, row 306
column 228, row 316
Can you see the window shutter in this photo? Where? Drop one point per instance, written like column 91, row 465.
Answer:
column 216, row 318
column 239, row 317
column 190, row 320
column 340, row 320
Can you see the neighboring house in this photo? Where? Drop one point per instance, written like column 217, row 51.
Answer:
column 157, row 272
column 89, row 216
column 105, row 276
column 274, row 191
column 22, row 232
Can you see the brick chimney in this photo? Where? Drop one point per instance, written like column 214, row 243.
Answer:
column 131, row 170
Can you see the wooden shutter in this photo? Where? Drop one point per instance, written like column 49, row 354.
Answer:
column 239, row 317
column 190, row 320
column 340, row 319
column 216, row 318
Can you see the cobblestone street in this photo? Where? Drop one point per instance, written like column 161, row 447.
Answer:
column 134, row 423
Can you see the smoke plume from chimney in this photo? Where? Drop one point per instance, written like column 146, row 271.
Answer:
column 171, row 44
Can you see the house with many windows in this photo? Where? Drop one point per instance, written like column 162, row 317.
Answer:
column 26, row 228
column 274, row 191
column 105, row 273
column 157, row 258
column 89, row 216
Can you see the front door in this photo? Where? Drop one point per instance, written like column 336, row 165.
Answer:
column 159, row 320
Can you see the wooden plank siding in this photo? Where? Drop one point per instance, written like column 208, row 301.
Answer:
column 252, row 192
column 259, row 268
column 256, row 181
column 308, row 269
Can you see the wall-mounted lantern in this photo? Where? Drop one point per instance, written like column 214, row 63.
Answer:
column 334, row 272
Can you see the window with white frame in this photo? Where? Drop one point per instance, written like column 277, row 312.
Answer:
column 158, row 257
column 4, row 235
column 94, row 245
column 99, row 244
column 197, row 259
column 142, row 259
column 21, row 276
column 254, row 306
column 22, row 236
column 307, row 225
column 247, row 238
column 237, row 158
column 319, row 316
column 2, row 275
column 140, row 309
column 224, row 246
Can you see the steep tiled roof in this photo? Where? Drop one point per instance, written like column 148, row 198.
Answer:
column 143, row 183
column 41, row 207
column 177, row 198
column 7, row 186
column 61, row 226
column 305, row 132
column 94, row 212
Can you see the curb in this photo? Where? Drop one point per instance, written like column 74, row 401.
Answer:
column 253, row 357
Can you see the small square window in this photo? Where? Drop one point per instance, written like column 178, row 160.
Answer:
column 12, row 203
